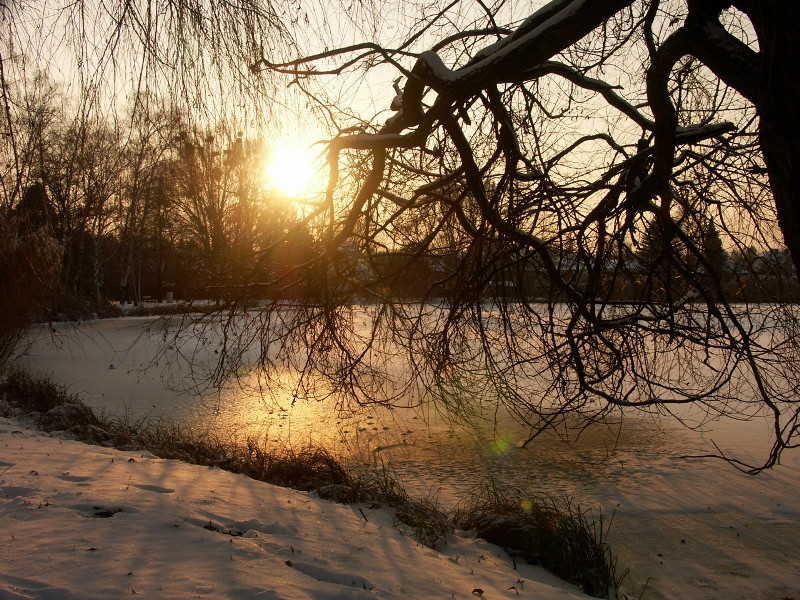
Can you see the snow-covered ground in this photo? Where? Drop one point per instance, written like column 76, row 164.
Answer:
column 79, row 522
column 694, row 529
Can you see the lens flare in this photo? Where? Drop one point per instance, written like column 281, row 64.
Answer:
column 501, row 444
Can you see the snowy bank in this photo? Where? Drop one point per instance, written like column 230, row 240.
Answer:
column 88, row 522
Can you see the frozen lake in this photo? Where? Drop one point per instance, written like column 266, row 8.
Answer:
column 685, row 527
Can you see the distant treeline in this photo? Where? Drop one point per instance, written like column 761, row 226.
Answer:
column 149, row 207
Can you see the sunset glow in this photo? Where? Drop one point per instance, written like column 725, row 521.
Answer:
column 289, row 170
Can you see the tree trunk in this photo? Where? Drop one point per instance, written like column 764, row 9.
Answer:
column 777, row 103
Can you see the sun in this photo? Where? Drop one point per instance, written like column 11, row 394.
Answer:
column 289, row 170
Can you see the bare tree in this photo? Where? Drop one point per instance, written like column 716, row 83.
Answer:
column 531, row 162
column 218, row 201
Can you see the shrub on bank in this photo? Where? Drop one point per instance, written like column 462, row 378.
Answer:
column 75, row 308
column 554, row 534
column 160, row 310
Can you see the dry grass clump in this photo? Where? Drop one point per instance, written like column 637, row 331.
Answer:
column 51, row 407
column 554, row 534
column 426, row 521
column 305, row 469
column 33, row 395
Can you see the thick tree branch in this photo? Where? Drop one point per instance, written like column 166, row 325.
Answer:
column 728, row 57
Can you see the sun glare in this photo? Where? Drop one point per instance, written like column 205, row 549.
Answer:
column 289, row 170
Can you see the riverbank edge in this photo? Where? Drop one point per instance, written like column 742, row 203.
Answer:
column 556, row 534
